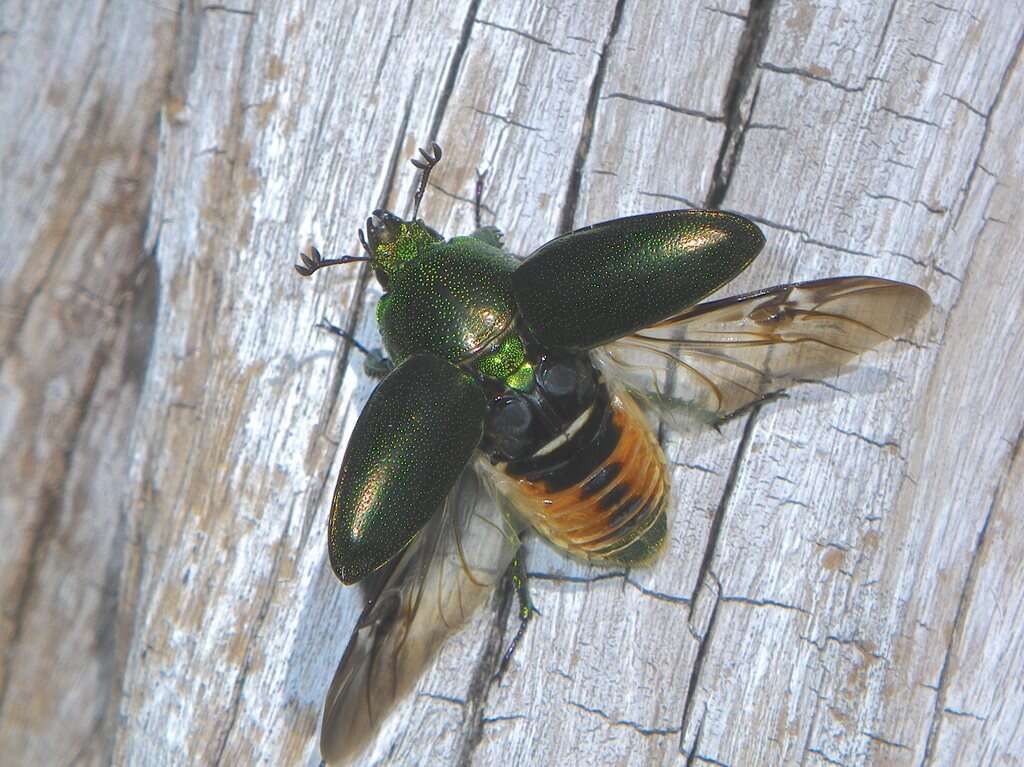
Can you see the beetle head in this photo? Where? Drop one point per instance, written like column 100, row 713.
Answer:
column 392, row 242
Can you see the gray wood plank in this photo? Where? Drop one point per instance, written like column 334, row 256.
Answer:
column 842, row 582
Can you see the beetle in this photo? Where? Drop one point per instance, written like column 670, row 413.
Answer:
column 518, row 397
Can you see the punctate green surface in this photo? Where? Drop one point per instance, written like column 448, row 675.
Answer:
column 600, row 283
column 452, row 300
column 415, row 435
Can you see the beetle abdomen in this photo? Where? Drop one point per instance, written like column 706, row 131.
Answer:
column 598, row 490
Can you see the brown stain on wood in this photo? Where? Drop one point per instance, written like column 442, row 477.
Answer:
column 265, row 111
column 870, row 541
column 275, row 68
column 803, row 21
column 57, row 95
column 833, row 559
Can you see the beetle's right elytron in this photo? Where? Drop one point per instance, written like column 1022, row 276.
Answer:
column 543, row 370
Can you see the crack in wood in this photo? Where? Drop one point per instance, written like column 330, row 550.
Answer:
column 673, row 197
column 572, row 192
column 505, row 119
column 502, row 718
column 809, row 75
column 885, row 31
column 733, row 598
column 525, row 35
column 886, row 445
column 696, row 738
column 452, row 699
column 453, row 70
column 723, row 12
column 665, row 105
column 748, row 55
column 704, row 573
column 966, row 105
column 807, row 239
column 52, row 495
column 576, row 578
column 1004, row 80
column 484, row 675
column 228, row 10
column 252, row 646
column 605, row 576
column 635, row 726
column 824, row 757
column 910, row 118
column 956, row 634
column 875, row 738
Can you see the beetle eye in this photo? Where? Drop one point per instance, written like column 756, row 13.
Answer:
column 382, row 228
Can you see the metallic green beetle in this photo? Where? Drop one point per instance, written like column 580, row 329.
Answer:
column 520, row 395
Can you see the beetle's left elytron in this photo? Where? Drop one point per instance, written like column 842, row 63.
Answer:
column 537, row 368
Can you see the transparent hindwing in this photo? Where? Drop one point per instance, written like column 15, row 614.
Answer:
column 446, row 573
column 720, row 356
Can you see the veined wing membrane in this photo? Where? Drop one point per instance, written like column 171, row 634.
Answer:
column 446, row 573
column 719, row 356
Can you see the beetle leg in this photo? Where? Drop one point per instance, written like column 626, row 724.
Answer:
column 376, row 364
column 517, row 574
column 750, row 406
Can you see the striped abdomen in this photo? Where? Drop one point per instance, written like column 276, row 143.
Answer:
column 599, row 489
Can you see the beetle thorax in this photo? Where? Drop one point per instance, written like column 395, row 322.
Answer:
column 451, row 299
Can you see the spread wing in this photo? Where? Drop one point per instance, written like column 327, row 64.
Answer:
column 720, row 356
column 439, row 581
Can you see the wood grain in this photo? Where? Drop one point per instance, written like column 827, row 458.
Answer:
column 843, row 580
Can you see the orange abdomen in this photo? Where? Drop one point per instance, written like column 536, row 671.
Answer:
column 600, row 493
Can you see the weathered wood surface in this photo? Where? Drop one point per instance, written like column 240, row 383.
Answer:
column 845, row 573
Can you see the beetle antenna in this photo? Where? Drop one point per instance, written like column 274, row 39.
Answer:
column 313, row 261
column 425, row 165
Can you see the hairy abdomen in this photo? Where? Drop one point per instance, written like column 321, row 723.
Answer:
column 600, row 490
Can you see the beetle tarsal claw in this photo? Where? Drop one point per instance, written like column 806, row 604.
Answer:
column 310, row 262
column 430, row 159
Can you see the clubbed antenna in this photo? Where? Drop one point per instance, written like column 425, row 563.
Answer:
column 313, row 261
column 425, row 165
